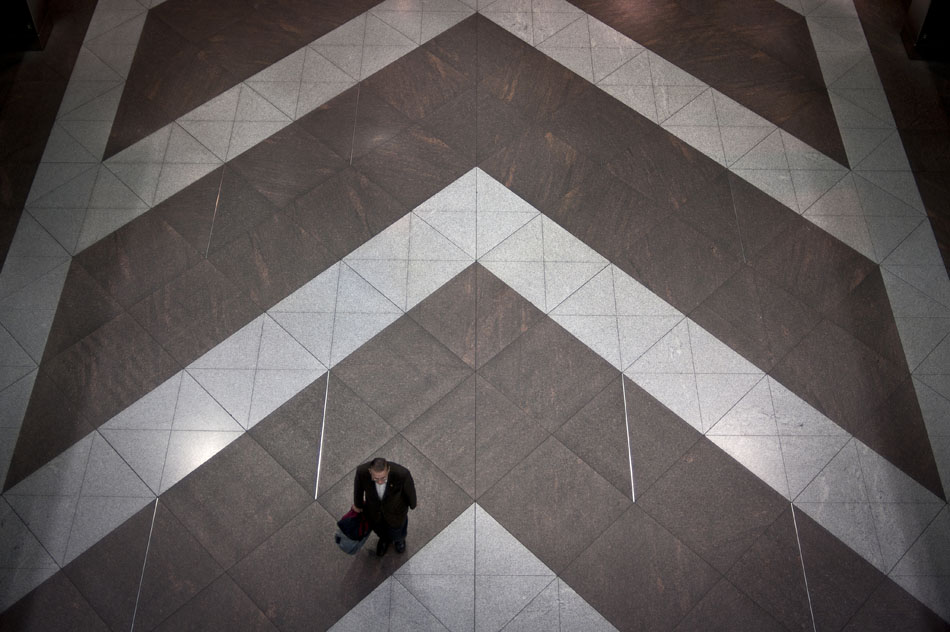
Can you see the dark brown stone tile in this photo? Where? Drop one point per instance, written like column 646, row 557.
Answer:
column 549, row 374
column 346, row 211
column 238, row 209
column 418, row 83
column 658, row 438
column 54, row 605
column 84, row 306
column 496, row 124
column 639, row 576
column 456, row 124
column 770, row 572
column 272, row 260
column 897, row 432
column 552, row 502
column 866, row 314
column 402, row 372
column 602, row 200
column 255, row 41
column 28, row 115
column 446, row 433
column 890, row 607
column 291, row 434
column 814, row 266
column 664, row 168
column 288, row 164
column 458, row 47
column 198, row 21
column 138, row 115
column 138, row 258
column 413, row 166
column 376, row 122
column 839, row 376
column 193, row 210
column 725, row 608
column 759, row 320
column 110, row 369
column 177, row 569
column 169, row 77
column 333, row 122
column 679, row 264
column 540, row 168
column 222, row 607
column 598, row 434
column 475, row 315
column 352, row 433
column 533, row 83
column 108, row 573
column 236, row 502
column 839, row 580
column 300, row 579
column 814, row 121
column 600, row 126
column 52, row 423
column 713, row 504
column 760, row 217
column 194, row 312
column 714, row 215
column 504, row 436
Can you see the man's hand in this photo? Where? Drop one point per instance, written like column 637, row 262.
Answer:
column 356, row 509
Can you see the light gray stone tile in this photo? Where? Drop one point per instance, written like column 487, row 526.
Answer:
column 450, row 598
column 577, row 60
column 62, row 476
column 189, row 449
column 851, row 523
column 437, row 22
column 96, row 517
column 391, row 244
column 841, row 481
column 524, row 244
column 143, row 450
column 705, row 139
column 769, row 155
column 279, row 350
column 577, row 614
column 594, row 298
column 49, row 519
column 117, row 46
column 525, row 277
column 794, row 416
column 498, row 553
column 499, row 598
column 737, row 141
column 197, row 410
column 107, row 473
column 811, row 186
column 676, row 391
column 237, row 351
column 247, row 134
column 274, row 387
column 930, row 554
column 231, row 388
column 372, row 613
column 666, row 74
column 317, row 295
column 753, row 415
column 428, row 244
column 16, row 583
column 671, row 354
column 313, row 330
column 931, row 280
column 541, row 614
column 13, row 402
column 720, row 394
column 518, row 24
column 670, row 99
column 898, row 526
column 457, row 227
column 451, row 552
column 937, row 362
column 597, row 332
column 389, row 278
column 425, row 277
column 639, row 333
column 806, row 456
column 760, row 455
column 101, row 222
column 918, row 249
column 851, row 230
column 634, row 72
column 407, row 614
column 29, row 327
column 19, row 548
column 356, row 295
column 562, row 279
column 712, row 356
column 776, row 183
column 154, row 411
column 888, row 484
column 350, row 331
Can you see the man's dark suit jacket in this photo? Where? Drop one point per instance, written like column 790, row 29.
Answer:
column 398, row 499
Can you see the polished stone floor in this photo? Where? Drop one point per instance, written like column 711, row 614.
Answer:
column 648, row 296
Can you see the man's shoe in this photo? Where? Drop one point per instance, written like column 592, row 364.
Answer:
column 381, row 547
column 401, row 546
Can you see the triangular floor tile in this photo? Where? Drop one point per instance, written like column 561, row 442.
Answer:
column 189, row 449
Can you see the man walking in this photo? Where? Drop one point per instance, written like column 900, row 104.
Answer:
column 386, row 492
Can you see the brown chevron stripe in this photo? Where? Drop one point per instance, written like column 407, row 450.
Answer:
column 757, row 52
column 192, row 51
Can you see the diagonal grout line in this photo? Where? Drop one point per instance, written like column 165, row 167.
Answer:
column 148, row 545
column 801, row 557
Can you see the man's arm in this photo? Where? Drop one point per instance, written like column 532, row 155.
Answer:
column 357, row 493
column 409, row 489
